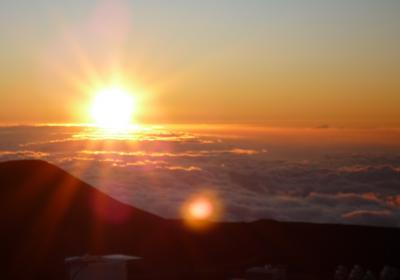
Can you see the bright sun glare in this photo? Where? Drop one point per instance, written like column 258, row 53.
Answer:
column 113, row 108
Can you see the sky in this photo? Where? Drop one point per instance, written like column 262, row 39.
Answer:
column 281, row 109
column 311, row 63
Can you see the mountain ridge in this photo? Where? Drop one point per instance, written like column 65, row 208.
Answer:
column 47, row 214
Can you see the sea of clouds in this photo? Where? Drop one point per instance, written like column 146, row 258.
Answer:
column 322, row 174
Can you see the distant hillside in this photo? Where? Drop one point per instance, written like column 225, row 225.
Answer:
column 46, row 214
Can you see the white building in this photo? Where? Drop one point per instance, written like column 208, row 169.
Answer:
column 267, row 272
column 109, row 267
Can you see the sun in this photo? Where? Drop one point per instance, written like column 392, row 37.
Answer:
column 113, row 108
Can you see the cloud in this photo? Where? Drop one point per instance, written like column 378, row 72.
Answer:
column 349, row 199
column 323, row 126
column 184, row 168
column 189, row 153
column 367, row 213
column 12, row 155
column 368, row 173
column 378, row 217
column 158, row 170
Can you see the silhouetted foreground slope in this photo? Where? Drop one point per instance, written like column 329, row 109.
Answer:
column 47, row 214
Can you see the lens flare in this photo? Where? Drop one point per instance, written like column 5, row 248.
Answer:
column 201, row 210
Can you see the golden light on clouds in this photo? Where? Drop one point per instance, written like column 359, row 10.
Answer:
column 201, row 210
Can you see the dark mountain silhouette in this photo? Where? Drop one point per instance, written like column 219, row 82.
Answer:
column 46, row 215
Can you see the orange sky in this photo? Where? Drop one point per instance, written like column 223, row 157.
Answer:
column 278, row 62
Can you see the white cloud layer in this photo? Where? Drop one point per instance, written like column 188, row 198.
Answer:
column 253, row 177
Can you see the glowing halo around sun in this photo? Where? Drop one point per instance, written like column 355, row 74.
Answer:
column 113, row 108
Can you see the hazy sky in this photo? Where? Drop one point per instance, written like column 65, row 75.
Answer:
column 319, row 62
